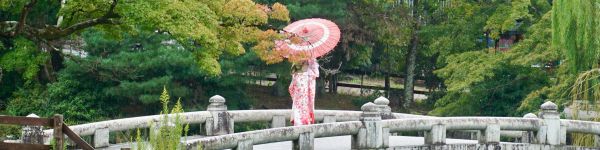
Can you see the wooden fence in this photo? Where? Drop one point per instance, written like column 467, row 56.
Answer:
column 55, row 122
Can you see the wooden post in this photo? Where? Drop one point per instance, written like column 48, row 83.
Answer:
column 58, row 134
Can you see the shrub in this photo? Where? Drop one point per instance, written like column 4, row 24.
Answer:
column 166, row 133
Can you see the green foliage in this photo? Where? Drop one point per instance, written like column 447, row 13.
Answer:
column 129, row 74
column 574, row 31
column 24, row 102
column 497, row 95
column 477, row 80
column 12, row 131
column 23, row 57
column 167, row 132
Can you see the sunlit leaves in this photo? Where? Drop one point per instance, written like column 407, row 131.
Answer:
column 24, row 57
column 280, row 12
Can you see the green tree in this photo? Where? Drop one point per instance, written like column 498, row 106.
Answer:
column 575, row 26
column 466, row 72
column 35, row 36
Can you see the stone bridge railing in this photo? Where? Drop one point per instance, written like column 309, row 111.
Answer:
column 547, row 131
column 369, row 128
column 217, row 120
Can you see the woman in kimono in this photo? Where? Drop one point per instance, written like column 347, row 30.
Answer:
column 302, row 91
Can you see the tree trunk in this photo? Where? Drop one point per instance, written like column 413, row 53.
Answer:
column 320, row 89
column 279, row 88
column 411, row 60
column 387, row 77
column 333, row 84
column 387, row 85
column 362, row 76
column 410, row 72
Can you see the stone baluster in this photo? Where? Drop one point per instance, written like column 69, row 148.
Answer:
column 278, row 121
column 491, row 135
column 436, row 136
column 529, row 136
column 550, row 132
column 372, row 135
column 245, row 145
column 32, row 134
column 101, row 137
column 220, row 122
column 306, row 141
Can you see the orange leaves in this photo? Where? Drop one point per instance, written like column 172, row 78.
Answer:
column 268, row 51
column 280, row 12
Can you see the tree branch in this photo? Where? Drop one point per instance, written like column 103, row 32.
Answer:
column 22, row 19
column 107, row 18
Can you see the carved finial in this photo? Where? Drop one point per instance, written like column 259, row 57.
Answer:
column 369, row 107
column 530, row 115
column 217, row 103
column 549, row 106
column 382, row 101
column 33, row 115
column 216, row 99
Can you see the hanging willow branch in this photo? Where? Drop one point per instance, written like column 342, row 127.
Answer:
column 585, row 94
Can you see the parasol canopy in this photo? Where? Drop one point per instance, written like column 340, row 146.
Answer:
column 314, row 37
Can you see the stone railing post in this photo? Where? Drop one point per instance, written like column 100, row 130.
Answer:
column 436, row 136
column 491, row 135
column 245, row 145
column 371, row 135
column 306, row 141
column 101, row 137
column 552, row 127
column 528, row 136
column 32, row 134
column 278, row 121
column 220, row 122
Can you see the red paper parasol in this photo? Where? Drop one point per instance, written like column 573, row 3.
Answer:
column 317, row 37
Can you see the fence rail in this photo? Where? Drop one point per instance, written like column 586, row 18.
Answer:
column 59, row 128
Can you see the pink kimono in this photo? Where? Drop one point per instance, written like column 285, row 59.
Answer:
column 302, row 91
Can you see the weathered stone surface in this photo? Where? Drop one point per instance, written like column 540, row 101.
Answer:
column 306, row 141
column 32, row 134
column 549, row 106
column 501, row 146
column 382, row 101
column 275, row 135
column 491, row 135
column 245, row 145
column 217, row 103
column 329, row 119
column 552, row 122
column 200, row 117
column 278, row 121
column 222, row 121
column 436, row 136
column 530, row 115
column 101, row 137
column 369, row 107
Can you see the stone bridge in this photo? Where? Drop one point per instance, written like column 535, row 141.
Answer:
column 375, row 127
